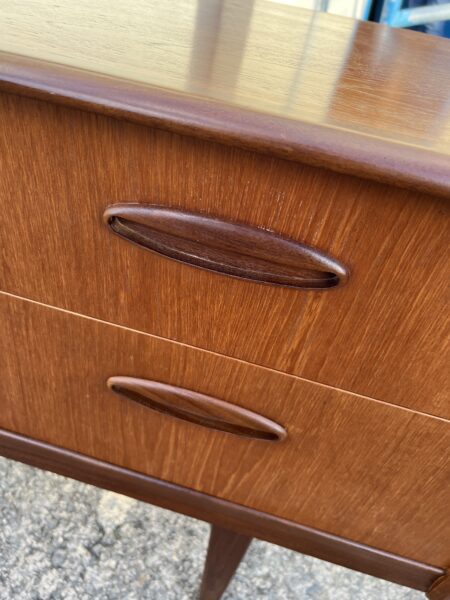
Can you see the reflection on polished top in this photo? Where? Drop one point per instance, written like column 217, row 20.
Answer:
column 266, row 56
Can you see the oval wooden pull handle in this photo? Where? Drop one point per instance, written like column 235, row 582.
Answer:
column 226, row 247
column 197, row 408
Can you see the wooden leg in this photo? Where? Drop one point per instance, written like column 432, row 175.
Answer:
column 225, row 551
column 440, row 590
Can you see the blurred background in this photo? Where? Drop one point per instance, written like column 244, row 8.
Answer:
column 428, row 16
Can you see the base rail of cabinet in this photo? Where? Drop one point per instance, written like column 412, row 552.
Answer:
column 221, row 513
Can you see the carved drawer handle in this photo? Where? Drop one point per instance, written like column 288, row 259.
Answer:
column 225, row 247
column 197, row 408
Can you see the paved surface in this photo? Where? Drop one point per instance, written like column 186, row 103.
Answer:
column 63, row 540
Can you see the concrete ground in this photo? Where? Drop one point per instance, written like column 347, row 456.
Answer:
column 63, row 540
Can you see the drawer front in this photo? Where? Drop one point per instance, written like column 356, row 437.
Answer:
column 380, row 334
column 354, row 467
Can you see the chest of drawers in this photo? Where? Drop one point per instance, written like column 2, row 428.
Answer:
column 279, row 355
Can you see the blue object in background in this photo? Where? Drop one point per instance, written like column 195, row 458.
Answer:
column 429, row 16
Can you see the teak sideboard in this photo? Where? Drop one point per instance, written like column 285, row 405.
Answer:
column 224, row 272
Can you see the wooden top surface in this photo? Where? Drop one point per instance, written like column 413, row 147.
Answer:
column 352, row 96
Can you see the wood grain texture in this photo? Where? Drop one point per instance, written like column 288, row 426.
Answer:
column 384, row 334
column 360, row 469
column 441, row 589
column 225, row 551
column 193, row 407
column 224, row 247
column 351, row 96
column 220, row 512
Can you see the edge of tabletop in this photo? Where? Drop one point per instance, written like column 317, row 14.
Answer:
column 339, row 150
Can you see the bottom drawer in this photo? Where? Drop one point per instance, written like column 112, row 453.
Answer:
column 349, row 465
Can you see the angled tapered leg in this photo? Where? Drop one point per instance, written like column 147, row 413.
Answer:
column 225, row 551
column 440, row 590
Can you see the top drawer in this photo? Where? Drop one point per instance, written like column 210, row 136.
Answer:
column 380, row 334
